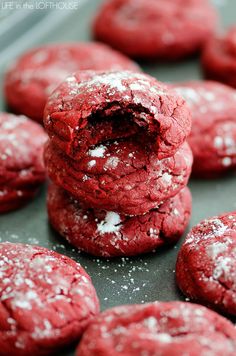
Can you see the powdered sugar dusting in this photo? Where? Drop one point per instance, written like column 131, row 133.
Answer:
column 112, row 162
column 98, row 151
column 215, row 249
column 226, row 161
column 111, row 80
column 218, row 142
column 167, row 178
column 189, row 94
column 212, row 228
column 204, row 98
column 115, row 82
column 218, row 227
column 110, row 224
column 222, row 266
column 164, row 337
column 91, row 163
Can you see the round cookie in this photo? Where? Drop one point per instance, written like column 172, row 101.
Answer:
column 21, row 160
column 163, row 29
column 30, row 80
column 213, row 134
column 206, row 265
column 163, row 329
column 124, row 177
column 47, row 300
column 91, row 108
column 108, row 234
column 219, row 58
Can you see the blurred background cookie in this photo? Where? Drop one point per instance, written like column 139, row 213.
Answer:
column 21, row 160
column 163, row 29
column 35, row 74
column 213, row 134
column 219, row 58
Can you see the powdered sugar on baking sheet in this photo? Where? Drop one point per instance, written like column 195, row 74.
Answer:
column 110, row 224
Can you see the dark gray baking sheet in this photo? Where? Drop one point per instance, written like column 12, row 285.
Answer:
column 120, row 281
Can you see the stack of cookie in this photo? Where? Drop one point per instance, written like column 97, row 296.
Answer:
column 119, row 162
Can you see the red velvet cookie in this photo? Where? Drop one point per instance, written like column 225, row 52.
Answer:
column 108, row 234
column 91, row 108
column 36, row 73
column 213, row 135
column 206, row 265
column 159, row 329
column 219, row 58
column 21, row 160
column 163, row 29
column 47, row 300
column 125, row 177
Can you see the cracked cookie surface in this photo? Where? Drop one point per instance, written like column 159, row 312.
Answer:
column 205, row 269
column 159, row 329
column 21, row 160
column 46, row 300
column 108, row 234
column 91, row 108
column 125, row 177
